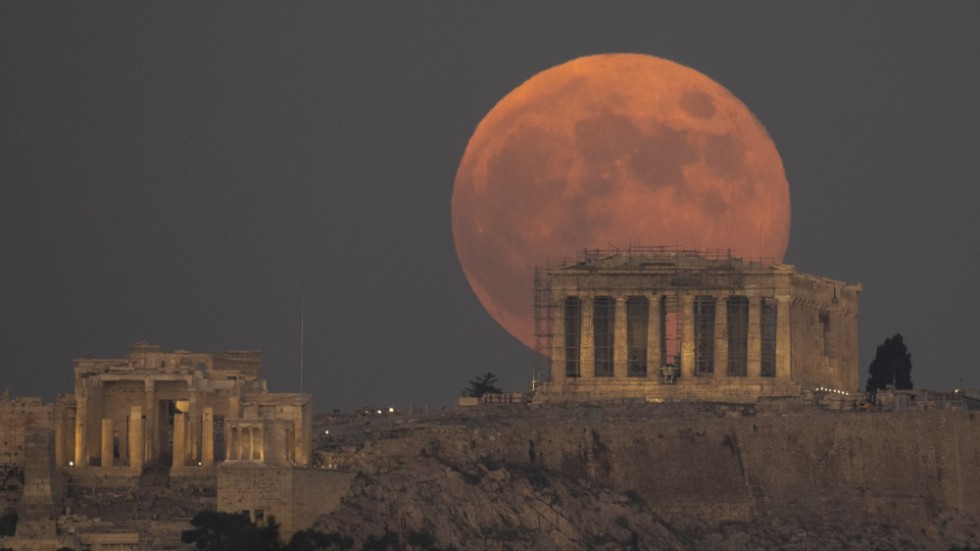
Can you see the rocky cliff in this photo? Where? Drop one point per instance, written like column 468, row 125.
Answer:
column 656, row 476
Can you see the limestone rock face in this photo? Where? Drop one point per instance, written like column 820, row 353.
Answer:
column 660, row 478
column 474, row 505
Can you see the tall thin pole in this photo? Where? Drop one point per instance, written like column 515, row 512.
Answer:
column 302, row 308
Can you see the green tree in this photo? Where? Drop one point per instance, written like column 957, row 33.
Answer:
column 8, row 524
column 314, row 540
column 483, row 384
column 214, row 531
column 892, row 366
column 422, row 539
column 386, row 542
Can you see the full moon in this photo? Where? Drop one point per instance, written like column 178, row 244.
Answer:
column 605, row 152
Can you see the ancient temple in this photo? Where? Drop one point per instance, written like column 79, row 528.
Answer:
column 684, row 325
column 183, row 410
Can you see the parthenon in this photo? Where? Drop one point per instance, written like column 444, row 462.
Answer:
column 685, row 325
column 182, row 410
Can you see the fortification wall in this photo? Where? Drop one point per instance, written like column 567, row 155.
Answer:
column 901, row 467
column 258, row 490
column 294, row 496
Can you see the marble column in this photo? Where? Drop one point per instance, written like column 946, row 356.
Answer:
column 261, row 444
column 59, row 437
column 754, row 352
column 180, row 439
column 783, row 338
column 81, row 443
column 135, row 438
column 207, row 437
column 721, row 336
column 152, row 434
column 687, row 336
column 107, row 455
column 193, row 435
column 620, row 354
column 587, row 344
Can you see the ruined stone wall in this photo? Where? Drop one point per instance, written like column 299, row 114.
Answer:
column 824, row 332
column 296, row 497
column 256, row 488
column 807, row 346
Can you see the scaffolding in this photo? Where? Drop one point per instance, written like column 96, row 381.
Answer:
column 685, row 269
column 543, row 315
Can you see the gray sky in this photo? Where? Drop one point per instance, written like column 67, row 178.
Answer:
column 184, row 172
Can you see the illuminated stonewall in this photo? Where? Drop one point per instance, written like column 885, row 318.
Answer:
column 182, row 410
column 667, row 324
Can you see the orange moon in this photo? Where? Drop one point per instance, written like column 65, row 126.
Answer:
column 605, row 152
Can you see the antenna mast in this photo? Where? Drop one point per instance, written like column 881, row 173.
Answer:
column 302, row 308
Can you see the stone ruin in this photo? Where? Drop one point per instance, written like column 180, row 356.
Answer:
column 147, row 441
column 662, row 324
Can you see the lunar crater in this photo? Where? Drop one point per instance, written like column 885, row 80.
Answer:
column 725, row 154
column 658, row 159
column 698, row 104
